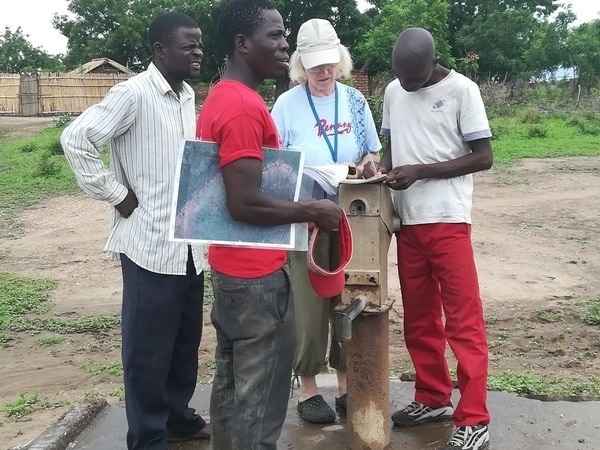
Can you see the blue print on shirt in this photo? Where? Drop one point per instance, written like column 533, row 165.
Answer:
column 356, row 103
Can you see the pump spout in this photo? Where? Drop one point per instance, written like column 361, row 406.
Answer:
column 342, row 320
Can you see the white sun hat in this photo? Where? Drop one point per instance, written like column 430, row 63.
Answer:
column 318, row 44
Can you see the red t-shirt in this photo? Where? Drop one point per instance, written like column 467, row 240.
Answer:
column 236, row 117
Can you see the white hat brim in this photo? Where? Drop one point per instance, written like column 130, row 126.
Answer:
column 320, row 57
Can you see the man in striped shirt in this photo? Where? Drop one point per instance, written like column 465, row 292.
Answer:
column 144, row 119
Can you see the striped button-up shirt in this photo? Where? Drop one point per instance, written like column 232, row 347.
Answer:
column 144, row 121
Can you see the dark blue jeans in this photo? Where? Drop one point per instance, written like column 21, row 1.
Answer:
column 161, row 329
column 254, row 320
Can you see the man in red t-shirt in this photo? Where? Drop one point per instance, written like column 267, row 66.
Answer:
column 253, row 313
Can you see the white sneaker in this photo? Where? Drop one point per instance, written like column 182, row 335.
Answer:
column 417, row 413
column 469, row 438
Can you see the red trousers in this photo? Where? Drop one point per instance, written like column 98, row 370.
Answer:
column 438, row 275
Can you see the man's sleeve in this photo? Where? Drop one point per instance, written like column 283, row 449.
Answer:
column 240, row 137
column 385, row 122
column 472, row 121
column 83, row 140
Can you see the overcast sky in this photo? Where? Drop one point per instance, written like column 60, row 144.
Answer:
column 35, row 19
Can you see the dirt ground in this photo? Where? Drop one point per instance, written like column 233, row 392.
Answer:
column 537, row 241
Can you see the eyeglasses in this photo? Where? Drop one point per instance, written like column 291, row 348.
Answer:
column 328, row 67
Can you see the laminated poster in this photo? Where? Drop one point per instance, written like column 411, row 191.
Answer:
column 199, row 214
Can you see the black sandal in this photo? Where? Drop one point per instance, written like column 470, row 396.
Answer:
column 316, row 410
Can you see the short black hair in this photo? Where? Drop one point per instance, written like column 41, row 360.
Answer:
column 241, row 17
column 164, row 26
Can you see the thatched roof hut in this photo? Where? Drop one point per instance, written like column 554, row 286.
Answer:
column 101, row 65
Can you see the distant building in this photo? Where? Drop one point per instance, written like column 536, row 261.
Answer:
column 101, row 65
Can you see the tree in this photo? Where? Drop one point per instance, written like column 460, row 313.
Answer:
column 394, row 17
column 500, row 39
column 500, row 33
column 583, row 52
column 464, row 12
column 106, row 28
column 344, row 15
column 18, row 55
column 548, row 49
column 117, row 29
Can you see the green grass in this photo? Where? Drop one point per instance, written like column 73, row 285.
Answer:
column 28, row 403
column 50, row 341
column 32, row 169
column 591, row 312
column 500, row 341
column 99, row 369
column 20, row 296
column 23, row 406
column 23, row 300
column 581, row 239
column 102, row 372
column 86, row 324
column 119, row 393
column 524, row 136
column 527, row 384
column 549, row 315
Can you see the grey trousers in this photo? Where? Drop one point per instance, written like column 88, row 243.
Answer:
column 314, row 313
column 254, row 321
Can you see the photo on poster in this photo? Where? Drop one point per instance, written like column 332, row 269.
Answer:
column 199, row 213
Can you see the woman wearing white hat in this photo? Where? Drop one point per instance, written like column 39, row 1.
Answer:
column 332, row 123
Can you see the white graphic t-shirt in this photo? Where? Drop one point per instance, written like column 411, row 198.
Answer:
column 434, row 124
column 299, row 129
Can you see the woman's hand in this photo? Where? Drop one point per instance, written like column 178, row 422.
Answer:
column 354, row 171
column 372, row 168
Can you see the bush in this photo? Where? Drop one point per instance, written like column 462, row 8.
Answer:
column 62, row 120
column 548, row 96
column 497, row 99
column 591, row 313
column 30, row 147
column 497, row 132
column 47, row 166
column 587, row 123
column 529, row 115
column 267, row 91
column 55, row 148
column 376, row 105
column 537, row 132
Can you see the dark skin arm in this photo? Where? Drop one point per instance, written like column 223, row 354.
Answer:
column 402, row 177
column 246, row 202
column 129, row 203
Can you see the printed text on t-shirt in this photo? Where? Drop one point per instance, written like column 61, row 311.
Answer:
column 343, row 127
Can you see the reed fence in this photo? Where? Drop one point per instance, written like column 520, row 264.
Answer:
column 53, row 93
